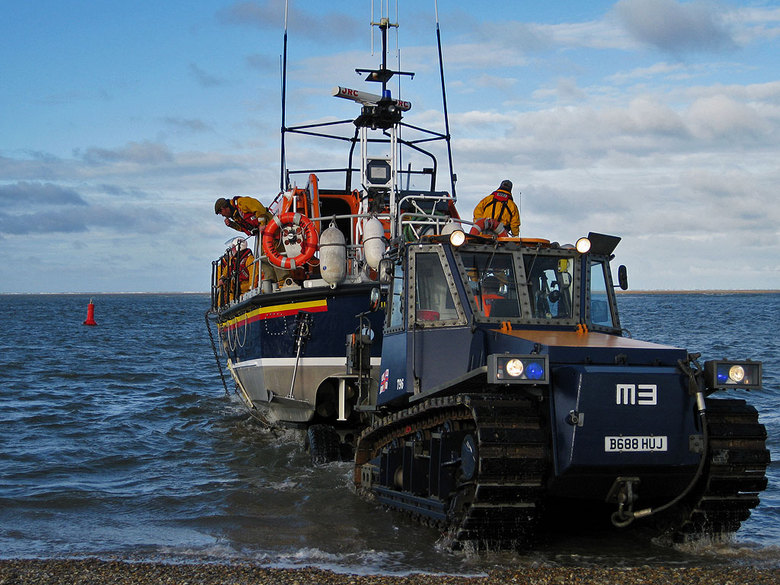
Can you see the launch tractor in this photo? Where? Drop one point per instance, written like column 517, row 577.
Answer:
column 508, row 388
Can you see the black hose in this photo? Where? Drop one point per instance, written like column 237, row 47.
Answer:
column 696, row 478
column 622, row 519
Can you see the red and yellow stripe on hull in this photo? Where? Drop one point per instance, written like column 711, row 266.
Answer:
column 274, row 311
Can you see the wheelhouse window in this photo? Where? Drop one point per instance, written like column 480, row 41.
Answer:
column 600, row 306
column 550, row 286
column 491, row 283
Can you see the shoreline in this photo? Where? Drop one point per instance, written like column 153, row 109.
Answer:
column 704, row 291
column 713, row 291
column 121, row 572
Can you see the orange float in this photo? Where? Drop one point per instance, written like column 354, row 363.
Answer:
column 308, row 245
column 488, row 226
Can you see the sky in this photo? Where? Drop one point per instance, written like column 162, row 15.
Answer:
column 654, row 120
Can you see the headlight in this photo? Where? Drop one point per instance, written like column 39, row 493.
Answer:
column 514, row 368
column 457, row 238
column 518, row 369
column 583, row 245
column 721, row 374
column 736, row 374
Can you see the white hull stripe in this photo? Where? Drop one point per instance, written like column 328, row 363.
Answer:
column 302, row 362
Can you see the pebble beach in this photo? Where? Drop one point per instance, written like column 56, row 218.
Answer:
column 98, row 572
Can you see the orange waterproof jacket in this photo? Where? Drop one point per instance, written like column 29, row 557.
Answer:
column 499, row 205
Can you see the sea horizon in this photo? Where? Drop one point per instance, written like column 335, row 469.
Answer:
column 658, row 291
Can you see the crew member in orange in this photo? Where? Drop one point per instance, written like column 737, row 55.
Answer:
column 248, row 215
column 490, row 291
column 237, row 266
column 222, row 281
column 245, row 214
column 500, row 206
column 245, row 266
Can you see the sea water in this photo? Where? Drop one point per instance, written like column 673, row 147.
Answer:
column 119, row 440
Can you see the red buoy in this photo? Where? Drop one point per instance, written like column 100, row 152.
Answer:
column 90, row 314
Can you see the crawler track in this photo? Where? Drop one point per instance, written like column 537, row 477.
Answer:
column 474, row 466
column 735, row 473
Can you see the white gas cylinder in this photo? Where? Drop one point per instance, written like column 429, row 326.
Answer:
column 333, row 255
column 373, row 241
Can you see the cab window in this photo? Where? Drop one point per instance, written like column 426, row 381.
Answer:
column 550, row 286
column 491, row 284
column 433, row 300
column 600, row 310
column 397, row 298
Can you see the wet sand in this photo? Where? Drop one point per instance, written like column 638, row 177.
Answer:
column 98, row 572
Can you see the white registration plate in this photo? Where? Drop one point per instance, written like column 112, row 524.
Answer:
column 634, row 444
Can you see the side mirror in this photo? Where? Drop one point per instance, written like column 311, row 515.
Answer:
column 375, row 299
column 385, row 271
column 623, row 277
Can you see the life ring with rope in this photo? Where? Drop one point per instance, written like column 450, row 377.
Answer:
column 308, row 243
column 489, row 226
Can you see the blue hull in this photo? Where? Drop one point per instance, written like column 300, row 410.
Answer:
column 289, row 376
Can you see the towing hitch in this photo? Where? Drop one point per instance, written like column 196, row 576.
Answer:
column 623, row 493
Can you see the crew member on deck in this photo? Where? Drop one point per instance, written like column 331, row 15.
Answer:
column 245, row 214
column 499, row 205
column 237, row 271
column 248, row 215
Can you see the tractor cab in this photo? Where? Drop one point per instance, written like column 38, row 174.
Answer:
column 445, row 301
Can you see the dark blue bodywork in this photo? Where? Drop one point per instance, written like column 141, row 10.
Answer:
column 265, row 326
column 616, row 406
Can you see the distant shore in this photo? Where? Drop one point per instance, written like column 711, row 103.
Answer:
column 698, row 292
column 619, row 292
column 93, row 571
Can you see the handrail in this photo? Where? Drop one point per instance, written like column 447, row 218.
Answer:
column 417, row 221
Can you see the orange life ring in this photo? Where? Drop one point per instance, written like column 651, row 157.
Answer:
column 308, row 245
column 488, row 224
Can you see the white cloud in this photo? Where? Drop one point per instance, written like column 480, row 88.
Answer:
column 662, row 69
column 24, row 194
column 754, row 23
column 142, row 153
column 595, row 131
column 269, row 15
column 675, row 27
column 721, row 117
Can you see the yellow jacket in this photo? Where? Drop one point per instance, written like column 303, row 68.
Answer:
column 248, row 214
column 499, row 205
column 250, row 205
column 248, row 275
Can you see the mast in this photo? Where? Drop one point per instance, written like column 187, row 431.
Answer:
column 379, row 122
column 453, row 178
column 282, row 181
column 383, row 114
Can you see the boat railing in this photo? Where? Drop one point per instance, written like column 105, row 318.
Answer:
column 418, row 215
column 233, row 276
column 422, row 214
column 230, row 274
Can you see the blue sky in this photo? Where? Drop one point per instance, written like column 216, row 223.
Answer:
column 122, row 122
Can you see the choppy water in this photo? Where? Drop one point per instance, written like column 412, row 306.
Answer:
column 118, row 440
